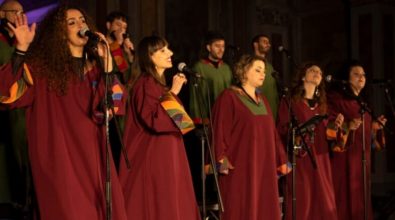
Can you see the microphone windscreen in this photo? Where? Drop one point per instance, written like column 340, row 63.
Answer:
column 83, row 31
column 328, row 78
column 181, row 66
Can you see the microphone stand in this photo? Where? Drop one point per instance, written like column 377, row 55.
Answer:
column 293, row 126
column 283, row 91
column 389, row 100
column 108, row 106
column 108, row 193
column 203, row 137
column 363, row 109
column 108, row 165
column 289, row 57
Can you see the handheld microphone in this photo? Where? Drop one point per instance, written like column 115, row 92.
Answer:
column 85, row 32
column 182, row 67
column 125, row 36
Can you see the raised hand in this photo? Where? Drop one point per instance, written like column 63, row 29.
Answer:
column 23, row 33
column 129, row 49
column 382, row 120
column 355, row 123
column 178, row 81
column 339, row 120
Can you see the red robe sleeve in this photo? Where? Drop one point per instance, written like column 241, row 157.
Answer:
column 283, row 121
column 16, row 85
column 222, row 115
column 281, row 132
column 116, row 95
column 146, row 99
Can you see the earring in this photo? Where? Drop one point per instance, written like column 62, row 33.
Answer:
column 317, row 92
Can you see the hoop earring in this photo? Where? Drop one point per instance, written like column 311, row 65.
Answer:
column 317, row 92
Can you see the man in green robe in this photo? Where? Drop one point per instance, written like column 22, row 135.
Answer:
column 216, row 76
column 14, row 171
column 261, row 47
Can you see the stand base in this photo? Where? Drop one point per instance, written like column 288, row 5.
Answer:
column 212, row 211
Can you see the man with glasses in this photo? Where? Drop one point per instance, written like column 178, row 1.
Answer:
column 8, row 11
column 14, row 171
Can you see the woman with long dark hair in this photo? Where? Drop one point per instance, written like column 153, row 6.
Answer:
column 62, row 87
column 347, row 143
column 315, row 197
column 159, row 185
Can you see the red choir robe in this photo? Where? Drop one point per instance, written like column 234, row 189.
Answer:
column 159, row 184
column 66, row 143
column 315, row 198
column 244, row 133
column 347, row 160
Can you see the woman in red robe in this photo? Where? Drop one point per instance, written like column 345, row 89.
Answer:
column 315, row 198
column 347, row 166
column 62, row 88
column 247, row 147
column 158, row 186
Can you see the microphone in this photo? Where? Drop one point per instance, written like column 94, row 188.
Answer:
column 281, row 48
column 330, row 79
column 182, row 67
column 85, row 32
column 125, row 36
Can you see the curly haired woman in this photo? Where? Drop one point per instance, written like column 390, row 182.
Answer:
column 61, row 85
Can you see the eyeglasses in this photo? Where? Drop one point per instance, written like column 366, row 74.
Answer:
column 17, row 12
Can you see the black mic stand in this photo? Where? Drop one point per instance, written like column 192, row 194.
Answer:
column 296, row 131
column 282, row 89
column 389, row 100
column 203, row 137
column 108, row 164
column 362, row 110
column 289, row 57
column 108, row 106
column 92, row 44
column 283, row 92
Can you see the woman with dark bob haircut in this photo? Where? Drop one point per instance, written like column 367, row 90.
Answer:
column 61, row 84
column 247, row 147
column 159, row 184
column 349, row 158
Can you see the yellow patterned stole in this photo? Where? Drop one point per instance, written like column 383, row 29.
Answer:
column 177, row 113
